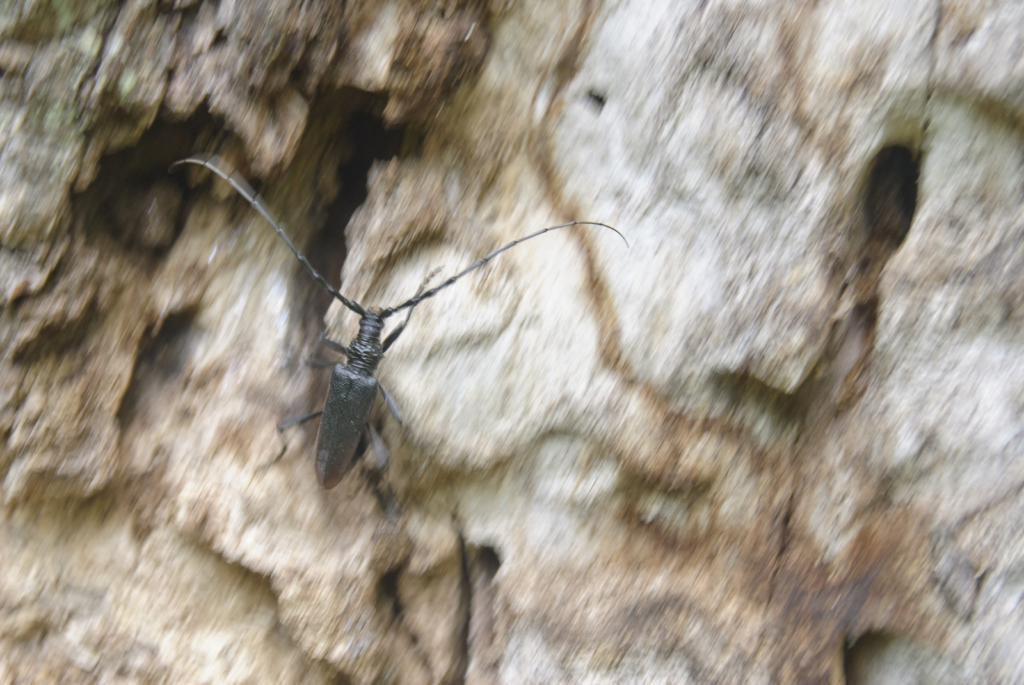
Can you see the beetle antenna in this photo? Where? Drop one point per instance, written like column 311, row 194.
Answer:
column 218, row 166
column 483, row 260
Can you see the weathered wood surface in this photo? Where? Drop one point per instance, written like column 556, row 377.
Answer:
column 778, row 440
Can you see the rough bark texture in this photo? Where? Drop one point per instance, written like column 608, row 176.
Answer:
column 780, row 439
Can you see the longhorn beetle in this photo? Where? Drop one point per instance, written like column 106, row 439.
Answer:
column 353, row 387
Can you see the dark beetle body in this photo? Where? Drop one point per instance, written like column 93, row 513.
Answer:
column 353, row 387
column 350, row 398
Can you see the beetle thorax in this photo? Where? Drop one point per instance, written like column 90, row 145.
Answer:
column 365, row 352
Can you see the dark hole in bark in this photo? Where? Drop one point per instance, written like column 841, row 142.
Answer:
column 162, row 360
column 891, row 197
column 387, row 593
column 59, row 338
column 360, row 124
column 890, row 200
column 489, row 562
column 133, row 198
column 482, row 564
column 370, row 141
column 863, row 656
column 341, row 679
column 597, row 99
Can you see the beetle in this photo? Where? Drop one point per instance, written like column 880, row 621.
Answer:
column 353, row 387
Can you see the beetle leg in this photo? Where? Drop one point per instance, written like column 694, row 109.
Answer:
column 331, row 345
column 391, row 403
column 380, row 450
column 295, row 420
column 389, row 341
column 393, row 336
column 318, row 362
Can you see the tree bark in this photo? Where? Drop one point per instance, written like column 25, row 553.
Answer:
column 776, row 439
